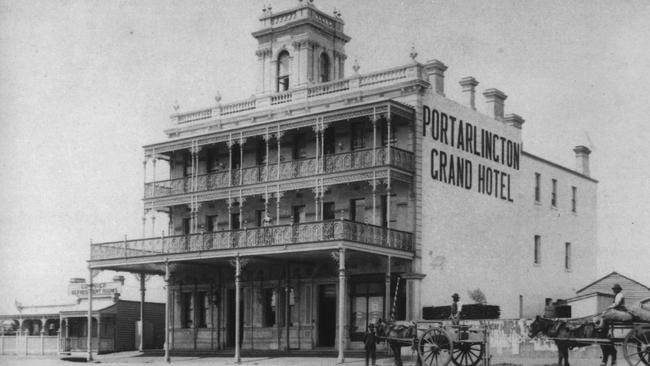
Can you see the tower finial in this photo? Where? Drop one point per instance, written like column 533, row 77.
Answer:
column 356, row 66
column 413, row 53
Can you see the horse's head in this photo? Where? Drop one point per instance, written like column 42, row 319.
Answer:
column 539, row 325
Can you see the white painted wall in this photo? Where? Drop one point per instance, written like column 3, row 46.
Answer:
column 471, row 240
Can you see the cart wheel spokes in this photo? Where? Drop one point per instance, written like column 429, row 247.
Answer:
column 467, row 353
column 636, row 346
column 435, row 347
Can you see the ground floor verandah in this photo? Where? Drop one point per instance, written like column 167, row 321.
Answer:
column 288, row 300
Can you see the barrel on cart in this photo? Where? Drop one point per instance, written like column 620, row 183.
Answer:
column 438, row 344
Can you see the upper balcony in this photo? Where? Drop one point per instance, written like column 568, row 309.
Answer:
column 301, row 168
column 300, row 237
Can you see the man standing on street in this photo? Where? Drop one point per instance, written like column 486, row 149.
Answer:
column 456, row 309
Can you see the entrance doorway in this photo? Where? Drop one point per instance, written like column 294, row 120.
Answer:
column 326, row 315
column 230, row 322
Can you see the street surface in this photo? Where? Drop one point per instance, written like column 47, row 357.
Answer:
column 135, row 358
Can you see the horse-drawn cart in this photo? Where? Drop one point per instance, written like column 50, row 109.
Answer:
column 632, row 337
column 438, row 344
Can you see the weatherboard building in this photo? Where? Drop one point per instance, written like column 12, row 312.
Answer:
column 327, row 201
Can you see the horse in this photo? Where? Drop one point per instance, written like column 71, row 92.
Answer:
column 398, row 334
column 562, row 333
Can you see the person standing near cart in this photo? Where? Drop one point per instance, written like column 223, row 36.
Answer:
column 456, row 309
column 370, row 344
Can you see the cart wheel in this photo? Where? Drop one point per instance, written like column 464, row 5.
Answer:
column 435, row 347
column 467, row 353
column 636, row 346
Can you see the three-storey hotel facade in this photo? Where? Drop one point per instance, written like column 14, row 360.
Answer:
column 295, row 218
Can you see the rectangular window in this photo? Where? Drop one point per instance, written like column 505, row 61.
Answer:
column 291, row 300
column 210, row 223
column 234, row 221
column 567, row 256
column 187, row 310
column 202, row 309
column 574, row 199
column 235, row 160
column 384, row 211
column 259, row 218
column 329, row 143
column 187, row 164
column 537, row 187
column 299, row 214
column 269, row 301
column 299, row 146
column 538, row 250
column 186, row 226
column 328, row 211
column 260, row 152
column 358, row 136
column 367, row 306
column 210, row 159
column 357, row 209
column 554, row 192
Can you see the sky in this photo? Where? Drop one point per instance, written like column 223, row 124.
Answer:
column 85, row 84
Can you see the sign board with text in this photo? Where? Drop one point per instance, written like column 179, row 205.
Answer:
column 102, row 289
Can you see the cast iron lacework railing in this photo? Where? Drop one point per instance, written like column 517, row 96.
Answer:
column 309, row 232
column 290, row 169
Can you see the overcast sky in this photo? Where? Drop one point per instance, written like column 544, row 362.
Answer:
column 84, row 84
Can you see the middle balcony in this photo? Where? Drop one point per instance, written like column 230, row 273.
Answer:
column 301, row 168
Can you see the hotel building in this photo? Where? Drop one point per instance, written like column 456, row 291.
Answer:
column 327, row 201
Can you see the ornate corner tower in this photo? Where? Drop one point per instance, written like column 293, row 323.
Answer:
column 299, row 46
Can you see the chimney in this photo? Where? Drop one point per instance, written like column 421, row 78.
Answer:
column 436, row 72
column 514, row 120
column 469, row 90
column 495, row 99
column 582, row 159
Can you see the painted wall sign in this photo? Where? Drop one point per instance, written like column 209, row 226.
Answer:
column 486, row 161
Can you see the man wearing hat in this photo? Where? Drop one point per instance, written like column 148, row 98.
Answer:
column 456, row 309
column 619, row 298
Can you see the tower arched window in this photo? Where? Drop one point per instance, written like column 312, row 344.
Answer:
column 283, row 71
column 324, row 68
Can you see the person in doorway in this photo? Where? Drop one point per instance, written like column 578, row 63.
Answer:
column 456, row 309
column 370, row 341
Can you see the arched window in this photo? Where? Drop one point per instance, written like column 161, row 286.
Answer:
column 283, row 71
column 324, row 68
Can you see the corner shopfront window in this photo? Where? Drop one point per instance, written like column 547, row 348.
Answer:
column 367, row 307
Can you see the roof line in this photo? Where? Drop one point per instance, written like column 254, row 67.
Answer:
column 613, row 273
column 559, row 166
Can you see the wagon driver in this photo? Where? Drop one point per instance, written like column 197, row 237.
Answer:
column 619, row 298
column 456, row 309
